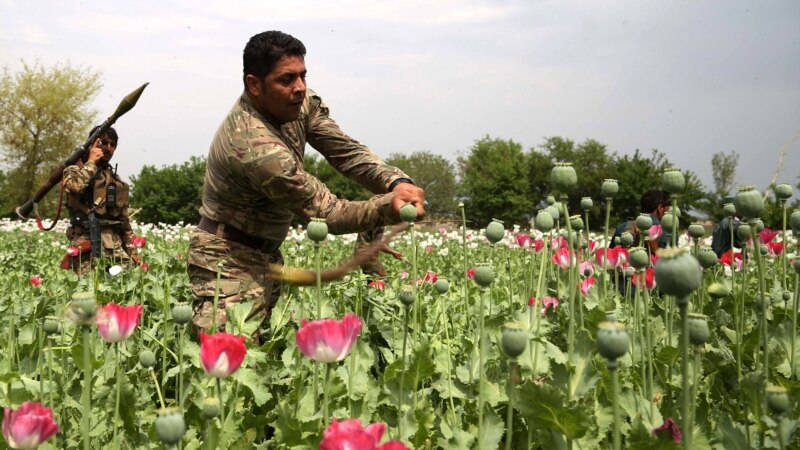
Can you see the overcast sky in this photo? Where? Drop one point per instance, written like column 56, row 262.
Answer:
column 688, row 78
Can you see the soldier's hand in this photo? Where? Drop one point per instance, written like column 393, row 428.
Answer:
column 389, row 250
column 408, row 193
column 96, row 152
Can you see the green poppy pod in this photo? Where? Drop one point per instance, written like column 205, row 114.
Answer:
column 147, row 359
column 763, row 248
column 587, row 204
column 794, row 221
column 757, row 225
column 744, row 232
column 484, row 275
column 442, row 286
column 51, row 325
column 778, row 400
column 181, row 313
column 551, row 199
column 644, row 221
column 513, row 339
column 563, row 177
column 576, row 222
column 629, row 272
column 669, row 222
column 707, row 258
column 729, row 209
column 783, row 191
column 626, row 239
column 408, row 213
column 673, row 181
column 698, row 329
column 210, row 407
column 571, row 238
column 677, row 273
column 786, row 296
column 609, row 188
column 638, row 258
column 554, row 212
column 170, row 426
column 495, row 231
column 612, row 340
column 675, row 211
column 544, row 221
column 718, row 290
column 406, row 295
column 697, row 230
column 748, row 202
column 82, row 308
column 317, row 230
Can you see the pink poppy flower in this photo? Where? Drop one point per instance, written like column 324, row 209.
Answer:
column 221, row 353
column 729, row 257
column 766, row 235
column 586, row 284
column 592, row 245
column 328, row 340
column 36, row 280
column 523, row 240
column 115, row 323
column 531, row 301
column 673, row 429
column 557, row 243
column 145, row 267
column 654, row 233
column 378, row 284
column 73, row 251
column 431, row 277
column 29, row 426
column 775, row 248
column 403, row 275
column 351, row 435
column 649, row 279
column 586, row 268
column 538, row 245
column 563, row 258
column 139, row 242
column 471, row 273
column 548, row 303
column 428, row 248
column 611, row 257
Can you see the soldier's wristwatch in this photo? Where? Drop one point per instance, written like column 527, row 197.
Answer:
column 399, row 181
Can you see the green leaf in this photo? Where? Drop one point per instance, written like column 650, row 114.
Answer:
column 731, row 435
column 493, row 429
column 547, row 408
column 255, row 383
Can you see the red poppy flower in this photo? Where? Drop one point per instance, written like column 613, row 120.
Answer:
column 221, row 353
column 728, row 257
column 523, row 240
column 73, row 251
column 775, row 248
column 139, row 242
column 36, row 280
column 563, row 258
column 471, row 273
column 586, row 284
column 531, row 301
column 672, row 427
column 548, row 303
column 350, row 434
column 378, row 284
column 766, row 235
column 328, row 340
column 29, row 426
column 116, row 323
column 649, row 279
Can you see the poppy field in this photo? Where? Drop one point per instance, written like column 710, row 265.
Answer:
column 505, row 337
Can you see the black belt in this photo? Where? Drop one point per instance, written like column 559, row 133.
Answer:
column 233, row 234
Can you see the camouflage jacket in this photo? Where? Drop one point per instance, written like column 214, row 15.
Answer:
column 87, row 184
column 255, row 178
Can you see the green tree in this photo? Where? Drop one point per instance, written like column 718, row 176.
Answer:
column 44, row 115
column 435, row 174
column 592, row 162
column 723, row 169
column 340, row 185
column 170, row 194
column 493, row 182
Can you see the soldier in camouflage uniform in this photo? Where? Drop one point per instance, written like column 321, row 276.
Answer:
column 255, row 181
column 92, row 184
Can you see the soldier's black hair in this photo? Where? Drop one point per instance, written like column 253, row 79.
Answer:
column 112, row 133
column 652, row 198
column 264, row 50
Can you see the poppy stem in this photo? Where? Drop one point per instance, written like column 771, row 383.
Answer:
column 158, row 387
column 221, row 400
column 325, row 398
column 86, row 395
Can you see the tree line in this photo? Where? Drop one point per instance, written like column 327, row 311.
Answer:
column 44, row 113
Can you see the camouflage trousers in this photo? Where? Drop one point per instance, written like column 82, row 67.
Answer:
column 113, row 250
column 242, row 279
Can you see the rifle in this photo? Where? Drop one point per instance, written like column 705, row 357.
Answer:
column 127, row 103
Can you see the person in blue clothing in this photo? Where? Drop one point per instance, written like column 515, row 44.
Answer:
column 654, row 201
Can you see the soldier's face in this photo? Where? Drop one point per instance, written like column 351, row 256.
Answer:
column 281, row 93
column 108, row 145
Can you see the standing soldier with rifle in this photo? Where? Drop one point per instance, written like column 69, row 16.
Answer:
column 97, row 200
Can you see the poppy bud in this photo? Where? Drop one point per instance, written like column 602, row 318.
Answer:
column 707, row 258
column 442, row 286
column 513, row 340
column 495, row 231
column 544, row 221
column 794, row 221
column 612, row 341
column 629, row 272
column 576, row 222
column 744, row 232
column 408, row 213
column 729, row 209
column 626, row 239
column 83, row 308
column 551, row 199
column 757, row 225
column 786, row 296
column 778, row 400
column 484, row 275
column 317, row 229
column 783, row 191
column 697, row 230
column 554, row 210
column 181, row 313
column 609, row 188
column 170, row 426
column 51, row 325
column 563, row 177
column 407, row 295
column 669, row 222
column 210, row 407
column 638, row 258
column 718, row 290
column 748, row 202
column 672, row 181
column 587, row 204
column 677, row 273
column 698, row 329
column 644, row 221
column 147, row 359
